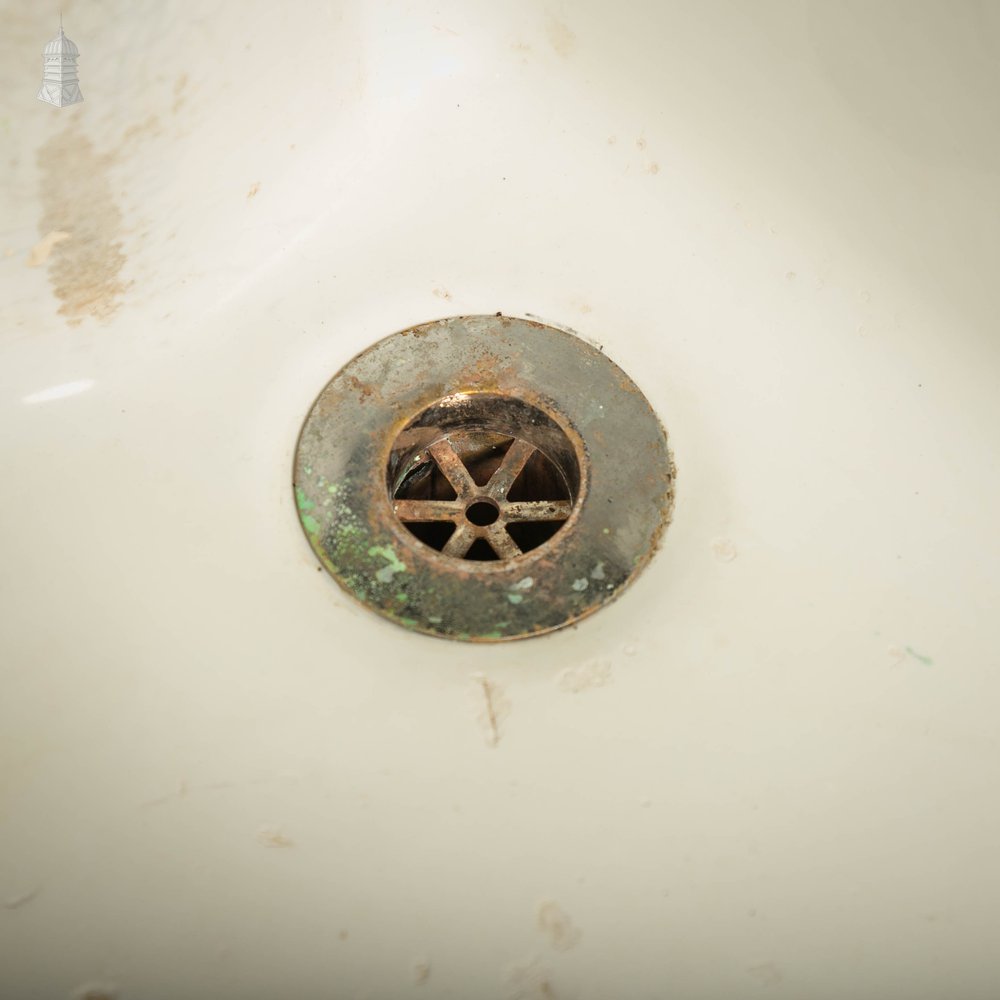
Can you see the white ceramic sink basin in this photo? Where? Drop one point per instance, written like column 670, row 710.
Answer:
column 771, row 768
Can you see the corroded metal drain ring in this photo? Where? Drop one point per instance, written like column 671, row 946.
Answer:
column 541, row 388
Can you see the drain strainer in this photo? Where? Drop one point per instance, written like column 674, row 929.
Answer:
column 483, row 478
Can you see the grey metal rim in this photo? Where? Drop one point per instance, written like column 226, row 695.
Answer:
column 483, row 478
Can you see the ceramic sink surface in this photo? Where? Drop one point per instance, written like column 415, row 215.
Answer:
column 770, row 768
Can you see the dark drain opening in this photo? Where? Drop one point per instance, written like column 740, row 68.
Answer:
column 483, row 477
column 480, row 551
column 530, row 535
column 433, row 533
column 482, row 513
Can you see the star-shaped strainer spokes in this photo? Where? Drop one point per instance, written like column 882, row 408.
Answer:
column 483, row 497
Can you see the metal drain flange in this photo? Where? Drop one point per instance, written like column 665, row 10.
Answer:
column 483, row 478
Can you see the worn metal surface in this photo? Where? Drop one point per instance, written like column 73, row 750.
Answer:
column 368, row 428
column 492, row 476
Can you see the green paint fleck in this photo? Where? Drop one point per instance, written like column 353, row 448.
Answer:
column 925, row 660
column 524, row 584
column 579, row 585
column 386, row 573
column 401, row 596
column 515, row 598
column 302, row 500
column 408, row 622
column 332, row 488
column 435, row 619
column 310, row 524
column 493, row 635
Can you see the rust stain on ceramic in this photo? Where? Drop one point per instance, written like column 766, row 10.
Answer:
column 149, row 127
column 561, row 37
column 495, row 710
column 40, row 252
column 76, row 196
column 556, row 926
column 179, row 97
column 270, row 837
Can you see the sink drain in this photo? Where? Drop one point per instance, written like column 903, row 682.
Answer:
column 465, row 478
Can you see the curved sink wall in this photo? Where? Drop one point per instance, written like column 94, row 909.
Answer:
column 770, row 767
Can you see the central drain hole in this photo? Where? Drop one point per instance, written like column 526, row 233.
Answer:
column 483, row 477
column 482, row 513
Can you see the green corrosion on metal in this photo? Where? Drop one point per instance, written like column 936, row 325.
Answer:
column 340, row 538
column 516, row 593
column 394, row 564
column 305, row 505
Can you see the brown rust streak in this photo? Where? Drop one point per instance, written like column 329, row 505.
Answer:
column 76, row 196
column 491, row 713
column 150, row 126
column 365, row 388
